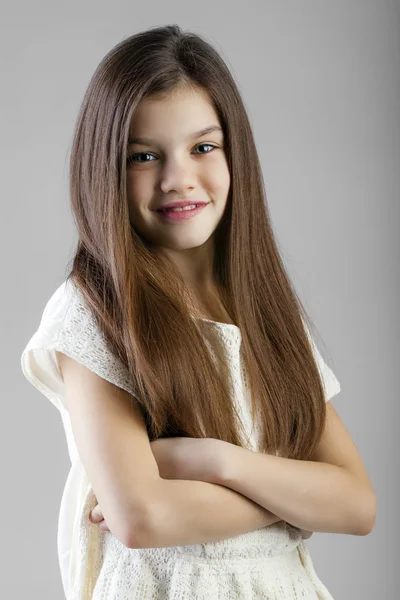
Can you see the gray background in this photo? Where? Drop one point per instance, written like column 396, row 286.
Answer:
column 321, row 85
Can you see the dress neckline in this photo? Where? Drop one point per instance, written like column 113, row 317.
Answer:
column 219, row 323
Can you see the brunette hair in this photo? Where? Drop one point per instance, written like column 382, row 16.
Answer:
column 139, row 297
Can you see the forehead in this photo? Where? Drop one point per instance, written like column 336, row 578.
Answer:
column 179, row 115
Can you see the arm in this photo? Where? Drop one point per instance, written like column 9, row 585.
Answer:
column 194, row 512
column 331, row 493
column 193, row 507
column 113, row 443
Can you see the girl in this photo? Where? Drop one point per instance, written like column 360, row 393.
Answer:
column 204, row 447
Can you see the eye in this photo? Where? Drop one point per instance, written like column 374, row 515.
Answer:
column 133, row 157
column 209, row 145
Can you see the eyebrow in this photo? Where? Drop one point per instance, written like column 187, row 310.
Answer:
column 207, row 130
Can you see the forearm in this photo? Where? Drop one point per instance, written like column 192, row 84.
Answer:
column 310, row 495
column 194, row 512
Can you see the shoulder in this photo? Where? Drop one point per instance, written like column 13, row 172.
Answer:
column 59, row 303
column 68, row 326
column 67, row 316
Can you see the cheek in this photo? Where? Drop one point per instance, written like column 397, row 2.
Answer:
column 138, row 191
column 222, row 181
column 227, row 179
column 135, row 197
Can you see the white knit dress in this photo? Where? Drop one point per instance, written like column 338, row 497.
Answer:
column 272, row 563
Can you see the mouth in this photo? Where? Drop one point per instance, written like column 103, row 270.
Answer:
column 178, row 215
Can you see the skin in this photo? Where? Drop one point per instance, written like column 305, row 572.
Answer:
column 178, row 166
column 190, row 459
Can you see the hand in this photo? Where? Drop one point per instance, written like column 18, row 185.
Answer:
column 198, row 459
column 97, row 518
column 306, row 534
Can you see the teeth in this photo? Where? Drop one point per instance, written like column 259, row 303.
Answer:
column 189, row 207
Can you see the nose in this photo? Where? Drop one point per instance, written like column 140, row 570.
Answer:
column 177, row 176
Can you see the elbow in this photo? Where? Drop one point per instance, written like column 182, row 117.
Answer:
column 140, row 532
column 368, row 514
column 139, row 535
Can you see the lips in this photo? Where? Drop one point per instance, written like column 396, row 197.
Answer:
column 177, row 216
column 180, row 205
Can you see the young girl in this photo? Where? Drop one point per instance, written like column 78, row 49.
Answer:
column 204, row 447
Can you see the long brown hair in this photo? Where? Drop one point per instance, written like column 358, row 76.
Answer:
column 138, row 295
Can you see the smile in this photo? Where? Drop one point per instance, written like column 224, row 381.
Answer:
column 175, row 216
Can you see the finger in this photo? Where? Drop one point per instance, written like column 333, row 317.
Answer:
column 306, row 534
column 103, row 526
column 95, row 516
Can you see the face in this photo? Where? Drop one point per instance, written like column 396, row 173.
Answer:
column 173, row 162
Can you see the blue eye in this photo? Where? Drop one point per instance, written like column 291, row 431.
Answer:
column 209, row 145
column 133, row 157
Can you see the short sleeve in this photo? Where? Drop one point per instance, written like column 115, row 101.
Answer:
column 68, row 325
column 329, row 380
